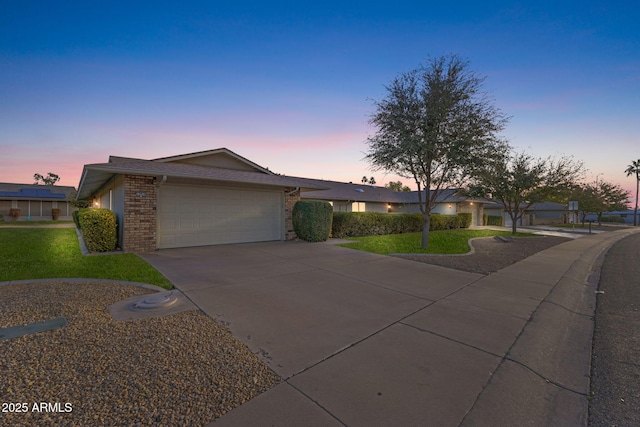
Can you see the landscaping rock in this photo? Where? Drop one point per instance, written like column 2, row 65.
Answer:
column 490, row 255
column 179, row 370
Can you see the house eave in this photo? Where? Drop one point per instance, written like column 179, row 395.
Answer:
column 95, row 176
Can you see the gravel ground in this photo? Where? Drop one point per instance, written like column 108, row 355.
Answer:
column 179, row 370
column 491, row 255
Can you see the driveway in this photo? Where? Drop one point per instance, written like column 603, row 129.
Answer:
column 298, row 303
column 362, row 339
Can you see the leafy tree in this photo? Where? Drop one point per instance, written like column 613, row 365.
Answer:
column 435, row 125
column 588, row 201
column 519, row 180
column 613, row 198
column 50, row 179
column 397, row 186
column 72, row 198
column 634, row 168
column 597, row 198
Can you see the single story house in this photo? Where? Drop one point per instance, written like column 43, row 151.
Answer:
column 218, row 197
column 542, row 213
column 196, row 199
column 349, row 197
column 35, row 202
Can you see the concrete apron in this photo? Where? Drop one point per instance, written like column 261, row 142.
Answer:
column 365, row 340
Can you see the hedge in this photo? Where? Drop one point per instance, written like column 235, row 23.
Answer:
column 312, row 220
column 74, row 215
column 612, row 218
column 353, row 224
column 492, row 220
column 99, row 229
column 464, row 219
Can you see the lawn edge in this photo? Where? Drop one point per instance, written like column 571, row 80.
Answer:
column 85, row 280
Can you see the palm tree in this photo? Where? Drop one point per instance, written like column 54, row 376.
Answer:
column 634, row 168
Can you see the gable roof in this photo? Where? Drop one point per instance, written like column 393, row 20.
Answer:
column 34, row 191
column 211, row 153
column 335, row 190
column 96, row 175
column 370, row 193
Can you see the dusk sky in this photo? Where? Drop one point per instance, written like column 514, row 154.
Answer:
column 289, row 85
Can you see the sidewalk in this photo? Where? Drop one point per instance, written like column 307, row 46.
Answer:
column 510, row 348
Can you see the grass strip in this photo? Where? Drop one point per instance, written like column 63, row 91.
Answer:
column 39, row 253
column 440, row 242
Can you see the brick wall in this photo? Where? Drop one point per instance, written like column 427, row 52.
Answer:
column 291, row 196
column 476, row 210
column 140, row 199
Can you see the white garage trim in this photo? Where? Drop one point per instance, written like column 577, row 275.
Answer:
column 190, row 215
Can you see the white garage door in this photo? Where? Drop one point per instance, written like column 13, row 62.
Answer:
column 198, row 216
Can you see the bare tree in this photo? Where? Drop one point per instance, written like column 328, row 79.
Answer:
column 435, row 126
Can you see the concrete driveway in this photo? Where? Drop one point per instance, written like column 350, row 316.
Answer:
column 363, row 340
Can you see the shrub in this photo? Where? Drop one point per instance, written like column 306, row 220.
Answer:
column 55, row 213
column 99, row 229
column 494, row 220
column 312, row 220
column 464, row 220
column 74, row 215
column 444, row 222
column 352, row 224
column 612, row 218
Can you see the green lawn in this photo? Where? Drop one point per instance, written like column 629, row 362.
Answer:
column 10, row 222
column 37, row 253
column 440, row 242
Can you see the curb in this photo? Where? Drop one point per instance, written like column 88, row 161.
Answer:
column 84, row 280
column 547, row 369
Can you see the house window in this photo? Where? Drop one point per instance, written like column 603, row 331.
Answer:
column 358, row 207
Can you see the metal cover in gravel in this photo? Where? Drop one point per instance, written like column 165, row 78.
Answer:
column 157, row 301
column 33, row 328
column 151, row 305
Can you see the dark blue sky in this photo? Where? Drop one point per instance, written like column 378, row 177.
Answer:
column 289, row 85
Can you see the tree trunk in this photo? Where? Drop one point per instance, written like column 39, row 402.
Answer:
column 514, row 222
column 635, row 211
column 426, row 223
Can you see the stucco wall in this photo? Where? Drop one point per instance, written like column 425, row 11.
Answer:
column 111, row 196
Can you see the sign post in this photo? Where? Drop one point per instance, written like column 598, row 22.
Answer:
column 573, row 207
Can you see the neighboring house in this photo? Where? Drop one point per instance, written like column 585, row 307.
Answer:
column 35, row 201
column 626, row 215
column 205, row 198
column 543, row 213
column 349, row 197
